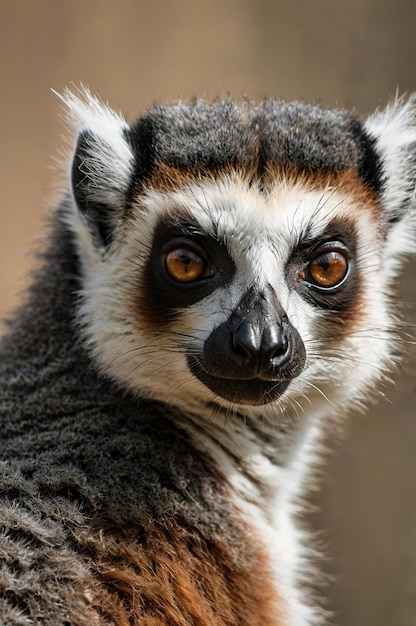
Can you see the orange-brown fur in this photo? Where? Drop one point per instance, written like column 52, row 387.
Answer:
column 175, row 577
column 166, row 179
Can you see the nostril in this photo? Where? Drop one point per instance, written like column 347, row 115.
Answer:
column 245, row 341
column 279, row 355
column 275, row 347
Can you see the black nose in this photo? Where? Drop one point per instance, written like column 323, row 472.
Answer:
column 261, row 349
column 256, row 342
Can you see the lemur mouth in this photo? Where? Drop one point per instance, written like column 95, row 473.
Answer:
column 251, row 391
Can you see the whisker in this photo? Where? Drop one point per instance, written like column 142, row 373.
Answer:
column 144, row 363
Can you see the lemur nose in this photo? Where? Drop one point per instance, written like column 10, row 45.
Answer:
column 261, row 348
column 257, row 341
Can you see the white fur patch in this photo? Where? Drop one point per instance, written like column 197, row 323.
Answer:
column 87, row 112
column 108, row 167
column 395, row 131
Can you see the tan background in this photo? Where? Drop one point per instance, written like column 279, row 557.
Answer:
column 339, row 52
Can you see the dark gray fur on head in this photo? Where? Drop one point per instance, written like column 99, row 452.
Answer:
column 273, row 132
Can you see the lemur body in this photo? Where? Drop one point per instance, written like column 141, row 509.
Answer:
column 214, row 293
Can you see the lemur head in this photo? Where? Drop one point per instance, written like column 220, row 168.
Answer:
column 241, row 255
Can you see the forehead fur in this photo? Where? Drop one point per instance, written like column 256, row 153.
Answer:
column 244, row 217
column 254, row 138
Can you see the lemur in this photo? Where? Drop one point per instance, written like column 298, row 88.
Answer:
column 215, row 290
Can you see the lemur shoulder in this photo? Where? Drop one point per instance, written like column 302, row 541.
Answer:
column 216, row 289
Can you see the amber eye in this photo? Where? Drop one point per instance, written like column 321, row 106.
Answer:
column 328, row 270
column 186, row 266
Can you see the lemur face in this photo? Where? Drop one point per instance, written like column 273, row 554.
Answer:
column 250, row 281
column 234, row 256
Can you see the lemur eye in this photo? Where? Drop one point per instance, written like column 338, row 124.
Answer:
column 328, row 267
column 186, row 266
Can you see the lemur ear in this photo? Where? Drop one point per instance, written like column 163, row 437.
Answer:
column 394, row 131
column 102, row 163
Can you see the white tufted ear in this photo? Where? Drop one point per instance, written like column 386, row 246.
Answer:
column 102, row 163
column 394, row 131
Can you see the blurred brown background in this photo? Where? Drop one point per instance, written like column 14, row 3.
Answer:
column 352, row 53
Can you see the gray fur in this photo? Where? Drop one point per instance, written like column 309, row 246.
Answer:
column 274, row 132
column 76, row 452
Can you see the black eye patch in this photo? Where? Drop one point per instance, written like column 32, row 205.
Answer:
column 163, row 296
column 307, row 271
